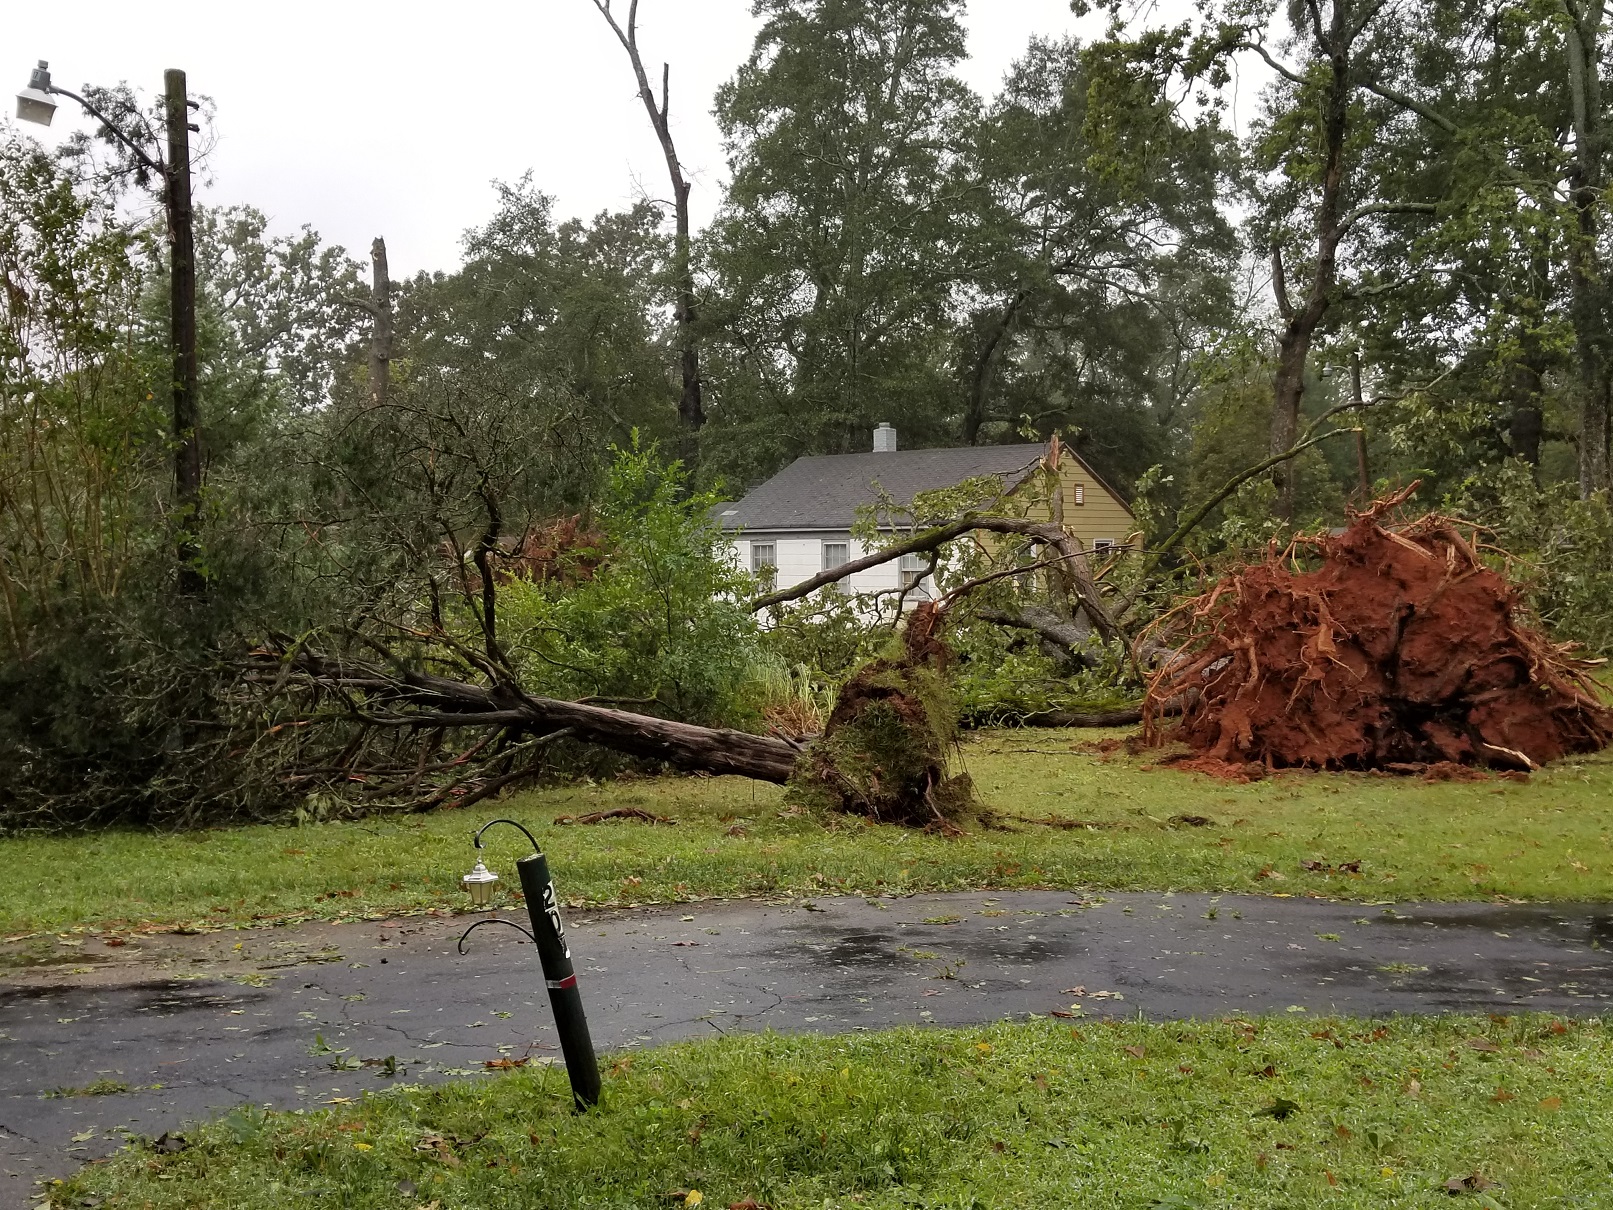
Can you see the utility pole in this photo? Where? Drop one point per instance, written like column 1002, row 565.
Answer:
column 35, row 104
column 182, row 336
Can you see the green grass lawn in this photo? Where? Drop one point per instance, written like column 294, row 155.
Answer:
column 1548, row 838
column 1236, row 1113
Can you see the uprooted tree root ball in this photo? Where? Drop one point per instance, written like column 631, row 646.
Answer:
column 886, row 747
column 1400, row 651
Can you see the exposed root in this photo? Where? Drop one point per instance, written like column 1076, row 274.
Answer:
column 886, row 747
column 1401, row 651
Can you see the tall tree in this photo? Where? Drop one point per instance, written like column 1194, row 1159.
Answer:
column 1584, row 50
column 1314, row 191
column 1101, row 258
column 572, row 306
column 690, row 408
column 836, row 253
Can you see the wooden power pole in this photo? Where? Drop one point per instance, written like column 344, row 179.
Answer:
column 182, row 301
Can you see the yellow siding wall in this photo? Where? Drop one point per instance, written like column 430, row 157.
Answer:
column 1102, row 515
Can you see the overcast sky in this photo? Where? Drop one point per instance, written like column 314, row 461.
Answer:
column 362, row 118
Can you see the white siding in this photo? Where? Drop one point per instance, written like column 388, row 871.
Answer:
column 800, row 558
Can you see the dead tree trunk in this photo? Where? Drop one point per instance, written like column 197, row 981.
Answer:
column 690, row 409
column 378, row 306
column 381, row 333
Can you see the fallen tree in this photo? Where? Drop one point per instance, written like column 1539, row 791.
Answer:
column 883, row 753
column 1399, row 650
column 1070, row 564
column 371, row 695
column 885, row 749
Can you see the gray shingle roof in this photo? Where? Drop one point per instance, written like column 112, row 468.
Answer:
column 824, row 492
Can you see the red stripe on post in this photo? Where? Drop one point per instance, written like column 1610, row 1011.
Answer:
column 562, row 984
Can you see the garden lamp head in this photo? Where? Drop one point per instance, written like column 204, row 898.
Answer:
column 479, row 882
column 34, row 103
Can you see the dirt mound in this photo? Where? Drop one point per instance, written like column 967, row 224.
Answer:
column 887, row 742
column 1401, row 649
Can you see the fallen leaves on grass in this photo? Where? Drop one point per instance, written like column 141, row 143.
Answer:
column 505, row 1064
column 638, row 813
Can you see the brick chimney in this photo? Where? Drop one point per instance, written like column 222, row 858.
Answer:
column 884, row 439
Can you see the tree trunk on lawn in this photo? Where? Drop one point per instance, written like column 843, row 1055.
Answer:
column 418, row 699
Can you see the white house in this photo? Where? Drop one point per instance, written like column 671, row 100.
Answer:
column 798, row 523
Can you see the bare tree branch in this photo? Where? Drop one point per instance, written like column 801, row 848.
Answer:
column 690, row 408
column 1406, row 101
column 1361, row 212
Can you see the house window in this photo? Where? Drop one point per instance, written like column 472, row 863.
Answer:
column 764, row 562
column 836, row 554
column 914, row 569
column 1100, row 544
column 1080, row 493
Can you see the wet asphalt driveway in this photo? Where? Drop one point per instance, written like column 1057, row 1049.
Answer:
column 296, row 1018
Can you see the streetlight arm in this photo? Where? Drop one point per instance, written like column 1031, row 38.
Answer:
column 536, row 847
column 139, row 154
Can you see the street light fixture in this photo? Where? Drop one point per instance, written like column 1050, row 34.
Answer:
column 34, row 104
column 548, row 934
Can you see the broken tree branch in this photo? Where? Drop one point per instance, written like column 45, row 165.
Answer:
column 1071, row 557
column 1068, row 636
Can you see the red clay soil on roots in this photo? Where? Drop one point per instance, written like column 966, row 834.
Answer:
column 1400, row 651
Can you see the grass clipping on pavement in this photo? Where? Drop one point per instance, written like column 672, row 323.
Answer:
column 1283, row 1111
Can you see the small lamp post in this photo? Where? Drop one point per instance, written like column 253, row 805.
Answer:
column 548, row 934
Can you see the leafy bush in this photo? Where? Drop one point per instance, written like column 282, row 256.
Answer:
column 1561, row 547
column 662, row 624
column 825, row 632
column 1002, row 678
